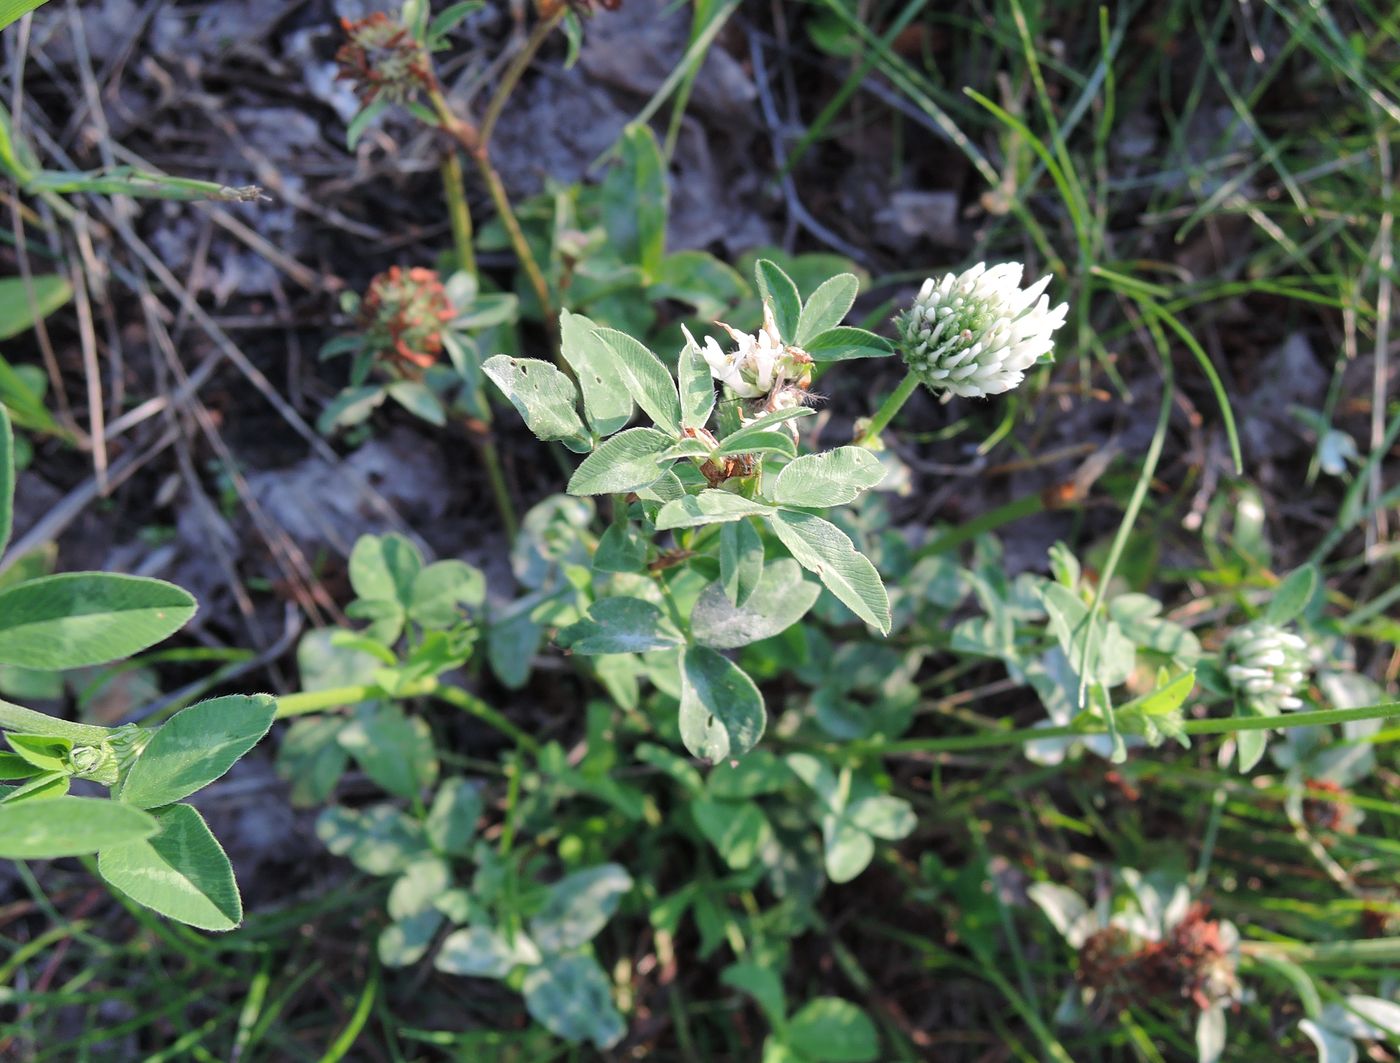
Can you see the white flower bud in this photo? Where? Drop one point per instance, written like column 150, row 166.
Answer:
column 1267, row 666
column 976, row 333
column 759, row 365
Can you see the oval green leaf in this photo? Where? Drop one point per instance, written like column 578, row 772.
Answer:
column 181, row 871
column 82, row 618
column 721, row 712
column 68, row 826
column 196, row 747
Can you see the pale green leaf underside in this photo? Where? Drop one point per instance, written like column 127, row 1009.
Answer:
column 821, row 547
column 830, row 479
column 708, row 507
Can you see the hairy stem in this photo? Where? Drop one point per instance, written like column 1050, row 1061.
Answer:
column 26, row 721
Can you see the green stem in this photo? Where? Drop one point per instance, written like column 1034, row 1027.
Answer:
column 885, row 414
column 1020, row 736
column 454, row 191
column 1370, row 950
column 310, row 701
column 27, row 721
column 496, row 477
column 513, row 72
column 472, row 704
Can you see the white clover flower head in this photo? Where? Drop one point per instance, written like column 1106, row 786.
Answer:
column 1267, row 666
column 760, row 365
column 976, row 333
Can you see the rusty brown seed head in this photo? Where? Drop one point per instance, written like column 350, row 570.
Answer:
column 381, row 58
column 403, row 314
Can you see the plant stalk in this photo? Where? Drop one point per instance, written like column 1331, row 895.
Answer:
column 886, row 413
column 1020, row 736
column 454, row 192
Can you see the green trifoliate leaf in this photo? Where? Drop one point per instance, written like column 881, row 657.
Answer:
column 380, row 840
column 606, row 400
column 708, row 507
column 740, row 560
column 647, row 379
column 779, row 293
column 451, row 823
column 827, row 307
column 781, row 599
column 578, row 906
column 480, row 952
column 621, row 625
column 721, row 713
column 830, row 479
column 634, row 198
column 395, row 750
column 620, row 549
column 844, row 343
column 571, row 998
column 195, row 747
column 629, row 461
column 83, row 618
column 181, row 871
column 49, row 290
column 761, row 983
column 43, row 787
column 406, row 941
column 43, row 752
column 418, row 399
column 544, row 396
column 821, row 547
column 384, row 567
column 440, row 590
column 766, row 421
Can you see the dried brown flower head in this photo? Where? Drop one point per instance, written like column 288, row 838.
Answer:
column 382, row 60
column 403, row 314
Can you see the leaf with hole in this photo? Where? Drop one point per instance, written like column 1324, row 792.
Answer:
column 648, row 381
column 721, row 712
column 606, row 400
column 544, row 396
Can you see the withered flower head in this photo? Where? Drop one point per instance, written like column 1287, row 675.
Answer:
column 403, row 314
column 383, row 60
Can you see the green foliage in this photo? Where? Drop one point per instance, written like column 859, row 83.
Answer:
column 158, row 853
